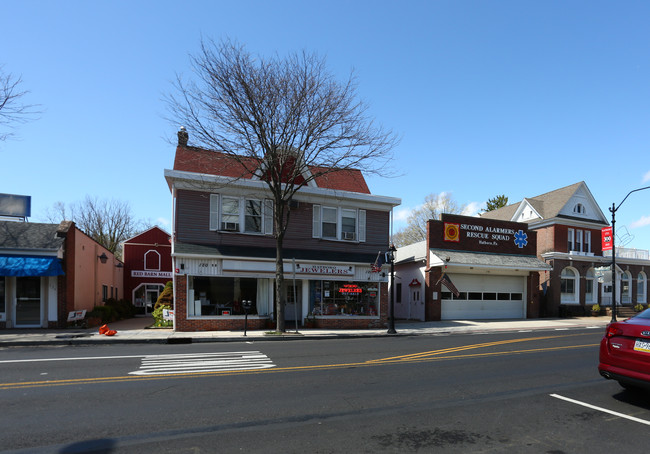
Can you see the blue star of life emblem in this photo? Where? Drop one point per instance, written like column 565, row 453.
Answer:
column 521, row 239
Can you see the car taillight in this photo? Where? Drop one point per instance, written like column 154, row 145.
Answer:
column 613, row 331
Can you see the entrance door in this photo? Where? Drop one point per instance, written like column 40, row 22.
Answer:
column 293, row 308
column 606, row 295
column 151, row 298
column 28, row 301
column 416, row 308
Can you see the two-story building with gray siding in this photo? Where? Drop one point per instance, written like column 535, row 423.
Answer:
column 223, row 247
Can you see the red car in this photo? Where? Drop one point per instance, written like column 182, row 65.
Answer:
column 625, row 351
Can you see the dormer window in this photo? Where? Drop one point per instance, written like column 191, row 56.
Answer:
column 579, row 209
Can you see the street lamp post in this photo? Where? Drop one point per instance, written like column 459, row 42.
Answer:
column 613, row 210
column 390, row 255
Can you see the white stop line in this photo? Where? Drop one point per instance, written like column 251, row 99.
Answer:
column 604, row 410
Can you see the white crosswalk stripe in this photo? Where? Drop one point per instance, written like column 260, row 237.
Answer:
column 202, row 362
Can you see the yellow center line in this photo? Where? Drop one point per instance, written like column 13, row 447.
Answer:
column 435, row 355
column 473, row 346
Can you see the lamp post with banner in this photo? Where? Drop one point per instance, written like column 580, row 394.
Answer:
column 613, row 210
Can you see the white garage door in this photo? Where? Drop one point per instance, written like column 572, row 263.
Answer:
column 484, row 297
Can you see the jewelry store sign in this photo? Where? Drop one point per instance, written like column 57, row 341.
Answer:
column 330, row 270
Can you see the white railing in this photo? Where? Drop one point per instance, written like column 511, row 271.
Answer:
column 629, row 253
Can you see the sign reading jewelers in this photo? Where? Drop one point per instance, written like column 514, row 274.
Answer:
column 331, row 270
column 489, row 235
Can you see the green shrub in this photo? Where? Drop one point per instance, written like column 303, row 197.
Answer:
column 165, row 301
column 123, row 307
column 159, row 321
column 166, row 298
column 108, row 314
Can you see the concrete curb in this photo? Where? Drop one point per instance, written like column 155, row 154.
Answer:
column 146, row 336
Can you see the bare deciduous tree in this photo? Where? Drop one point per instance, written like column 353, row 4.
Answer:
column 12, row 110
column 109, row 222
column 434, row 205
column 288, row 116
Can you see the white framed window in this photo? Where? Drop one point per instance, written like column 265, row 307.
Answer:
column 579, row 209
column 253, row 222
column 578, row 244
column 641, row 288
column 571, row 240
column 348, row 224
column 626, row 290
column 336, row 223
column 152, row 260
column 242, row 215
column 230, row 214
column 587, row 241
column 329, row 228
column 569, row 286
column 589, row 287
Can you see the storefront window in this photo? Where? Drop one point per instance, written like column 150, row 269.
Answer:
column 210, row 296
column 343, row 298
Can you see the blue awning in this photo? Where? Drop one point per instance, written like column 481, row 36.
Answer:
column 29, row 265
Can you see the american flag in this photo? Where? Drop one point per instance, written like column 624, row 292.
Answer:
column 376, row 267
column 444, row 279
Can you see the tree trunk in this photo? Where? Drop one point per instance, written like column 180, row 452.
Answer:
column 280, row 294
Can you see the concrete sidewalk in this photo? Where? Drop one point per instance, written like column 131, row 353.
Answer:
column 136, row 330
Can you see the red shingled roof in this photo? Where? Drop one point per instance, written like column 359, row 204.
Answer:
column 198, row 160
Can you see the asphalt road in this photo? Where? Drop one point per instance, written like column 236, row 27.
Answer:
column 536, row 392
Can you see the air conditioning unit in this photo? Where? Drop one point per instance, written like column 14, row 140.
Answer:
column 348, row 235
column 231, row 226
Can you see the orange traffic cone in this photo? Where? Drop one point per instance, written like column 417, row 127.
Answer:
column 111, row 332
column 103, row 329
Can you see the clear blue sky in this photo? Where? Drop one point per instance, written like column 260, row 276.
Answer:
column 489, row 97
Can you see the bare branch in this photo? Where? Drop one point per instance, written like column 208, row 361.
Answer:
column 286, row 120
column 12, row 110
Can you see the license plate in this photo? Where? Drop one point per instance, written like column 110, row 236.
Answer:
column 642, row 345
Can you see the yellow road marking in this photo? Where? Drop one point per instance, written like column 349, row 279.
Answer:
column 434, row 355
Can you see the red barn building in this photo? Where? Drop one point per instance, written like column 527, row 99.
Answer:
column 148, row 267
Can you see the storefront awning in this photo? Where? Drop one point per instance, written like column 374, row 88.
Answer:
column 29, row 265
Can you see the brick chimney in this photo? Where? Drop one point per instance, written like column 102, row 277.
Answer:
column 182, row 137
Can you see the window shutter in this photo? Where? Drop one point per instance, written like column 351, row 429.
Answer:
column 362, row 226
column 316, row 222
column 268, row 216
column 214, row 211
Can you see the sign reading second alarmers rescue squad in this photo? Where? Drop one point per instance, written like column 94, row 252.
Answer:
column 482, row 235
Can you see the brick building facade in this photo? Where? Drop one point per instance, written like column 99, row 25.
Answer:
column 568, row 222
